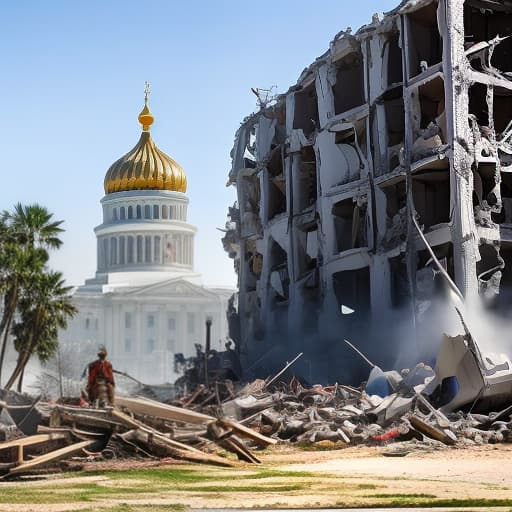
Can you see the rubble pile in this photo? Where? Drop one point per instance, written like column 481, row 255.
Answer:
column 136, row 427
column 350, row 416
column 465, row 400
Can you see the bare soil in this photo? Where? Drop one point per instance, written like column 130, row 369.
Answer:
column 351, row 477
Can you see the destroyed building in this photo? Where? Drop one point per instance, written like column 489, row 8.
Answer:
column 408, row 119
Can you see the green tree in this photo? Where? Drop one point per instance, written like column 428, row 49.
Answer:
column 42, row 311
column 26, row 235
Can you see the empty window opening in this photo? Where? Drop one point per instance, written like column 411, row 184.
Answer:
column 156, row 212
column 122, row 213
column 275, row 162
column 349, row 218
column 396, row 212
column 114, row 214
column 486, row 194
column 502, row 109
column 478, row 104
column 308, row 185
column 139, row 211
column 351, row 145
column 395, row 123
column 431, row 194
column 276, row 196
column 130, row 212
column 277, row 187
column 399, row 281
column 432, row 102
column 396, row 198
column 306, row 110
column 394, row 60
column 488, row 270
column 349, row 88
column 279, row 278
column 307, row 251
column 504, row 216
column 429, row 282
column 504, row 298
column 279, row 114
column 250, row 196
column 425, row 43
column 253, row 265
column 352, row 291
column 147, row 211
column 485, row 24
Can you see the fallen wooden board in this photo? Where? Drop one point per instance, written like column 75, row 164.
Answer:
column 42, row 429
column 53, row 456
column 248, row 432
column 430, row 430
column 149, row 440
column 169, row 412
column 135, row 424
column 152, row 408
column 98, row 418
column 32, row 440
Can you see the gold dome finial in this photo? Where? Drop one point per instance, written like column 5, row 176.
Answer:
column 146, row 117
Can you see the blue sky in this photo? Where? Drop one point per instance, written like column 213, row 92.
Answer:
column 73, row 85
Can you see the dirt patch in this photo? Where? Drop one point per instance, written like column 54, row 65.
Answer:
column 287, row 478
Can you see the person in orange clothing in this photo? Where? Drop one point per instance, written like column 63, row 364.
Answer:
column 100, row 382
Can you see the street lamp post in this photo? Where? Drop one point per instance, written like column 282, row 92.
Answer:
column 207, row 348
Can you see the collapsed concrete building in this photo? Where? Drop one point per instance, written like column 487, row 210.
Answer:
column 409, row 118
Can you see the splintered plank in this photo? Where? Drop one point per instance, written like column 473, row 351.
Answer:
column 132, row 423
column 53, row 456
column 166, row 447
column 248, row 432
column 31, row 440
column 431, row 431
column 160, row 410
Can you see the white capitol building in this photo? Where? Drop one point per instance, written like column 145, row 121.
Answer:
column 145, row 302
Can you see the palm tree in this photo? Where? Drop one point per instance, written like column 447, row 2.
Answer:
column 43, row 310
column 26, row 234
column 33, row 227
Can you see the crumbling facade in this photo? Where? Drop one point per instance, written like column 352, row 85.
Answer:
column 408, row 118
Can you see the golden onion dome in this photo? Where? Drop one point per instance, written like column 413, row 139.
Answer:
column 145, row 167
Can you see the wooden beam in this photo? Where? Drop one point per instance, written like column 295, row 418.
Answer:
column 168, row 412
column 248, row 432
column 133, row 423
column 31, row 440
column 53, row 456
column 163, row 444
